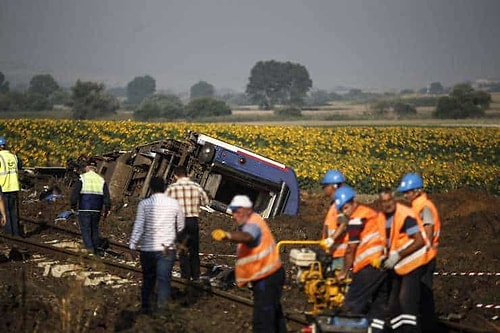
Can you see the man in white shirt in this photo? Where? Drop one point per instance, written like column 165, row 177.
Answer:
column 159, row 219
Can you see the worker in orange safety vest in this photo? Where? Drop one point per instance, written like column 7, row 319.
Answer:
column 334, row 234
column 411, row 186
column 406, row 262
column 367, row 294
column 258, row 264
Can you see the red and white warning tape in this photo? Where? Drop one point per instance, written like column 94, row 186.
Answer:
column 217, row 255
column 466, row 274
column 487, row 306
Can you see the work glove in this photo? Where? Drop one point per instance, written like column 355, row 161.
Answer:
column 219, row 234
column 377, row 263
column 326, row 244
column 393, row 259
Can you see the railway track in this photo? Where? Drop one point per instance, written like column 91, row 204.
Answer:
column 128, row 270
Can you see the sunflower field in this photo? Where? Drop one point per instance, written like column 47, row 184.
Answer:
column 370, row 157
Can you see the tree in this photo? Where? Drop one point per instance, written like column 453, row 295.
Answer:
column 60, row 97
column 463, row 102
column 91, row 101
column 235, row 98
column 435, row 88
column 201, row 89
column 160, row 106
column 207, row 107
column 273, row 82
column 404, row 109
column 43, row 84
column 139, row 88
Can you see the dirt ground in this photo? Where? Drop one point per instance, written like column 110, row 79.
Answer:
column 29, row 301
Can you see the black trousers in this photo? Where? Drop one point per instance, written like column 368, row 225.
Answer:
column 190, row 261
column 12, row 225
column 367, row 295
column 427, row 307
column 267, row 310
column 404, row 301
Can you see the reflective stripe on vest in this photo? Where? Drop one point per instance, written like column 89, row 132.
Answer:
column 331, row 225
column 258, row 262
column 371, row 243
column 401, row 240
column 9, row 180
column 418, row 205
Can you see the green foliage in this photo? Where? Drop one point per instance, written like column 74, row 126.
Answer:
column 16, row 102
column 201, row 89
column 273, row 82
column 235, row 99
column 321, row 97
column 36, row 102
column 91, row 101
column 404, row 109
column 207, row 107
column 43, row 84
column 160, row 106
column 359, row 96
column 422, row 101
column 406, row 91
column 288, row 111
column 399, row 107
column 463, row 102
column 60, row 97
column 435, row 88
column 4, row 85
column 139, row 88
column 118, row 91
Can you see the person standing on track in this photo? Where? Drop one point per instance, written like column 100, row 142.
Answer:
column 406, row 262
column 159, row 219
column 412, row 186
column 334, row 235
column 10, row 165
column 191, row 197
column 90, row 194
column 367, row 294
column 258, row 263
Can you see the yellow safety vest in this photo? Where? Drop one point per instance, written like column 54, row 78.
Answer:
column 9, row 180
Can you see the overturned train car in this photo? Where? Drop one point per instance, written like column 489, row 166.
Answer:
column 222, row 169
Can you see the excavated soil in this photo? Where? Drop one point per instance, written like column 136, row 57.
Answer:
column 29, row 301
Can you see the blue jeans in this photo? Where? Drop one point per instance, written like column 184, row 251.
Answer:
column 156, row 270
column 89, row 226
column 337, row 264
column 12, row 224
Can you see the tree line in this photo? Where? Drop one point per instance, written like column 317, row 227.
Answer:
column 285, row 87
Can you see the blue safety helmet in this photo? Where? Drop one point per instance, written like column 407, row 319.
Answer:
column 333, row 177
column 343, row 195
column 3, row 141
column 411, row 181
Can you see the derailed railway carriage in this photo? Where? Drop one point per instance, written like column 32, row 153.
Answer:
column 222, row 169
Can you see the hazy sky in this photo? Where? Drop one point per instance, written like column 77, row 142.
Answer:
column 367, row 44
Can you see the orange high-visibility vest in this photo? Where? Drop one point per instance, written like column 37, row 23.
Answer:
column 418, row 205
column 258, row 262
column 371, row 245
column 400, row 241
column 9, row 180
column 330, row 225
